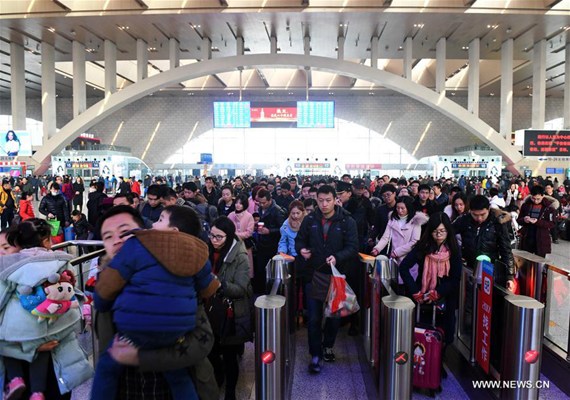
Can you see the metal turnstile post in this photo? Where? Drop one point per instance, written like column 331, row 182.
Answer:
column 270, row 348
column 367, row 270
column 396, row 358
column 522, row 346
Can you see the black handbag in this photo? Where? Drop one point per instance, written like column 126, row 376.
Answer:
column 320, row 284
column 231, row 319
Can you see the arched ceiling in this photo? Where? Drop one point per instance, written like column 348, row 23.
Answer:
column 59, row 22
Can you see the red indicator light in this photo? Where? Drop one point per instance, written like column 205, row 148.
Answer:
column 531, row 356
column 268, row 357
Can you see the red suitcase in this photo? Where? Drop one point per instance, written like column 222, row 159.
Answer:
column 428, row 346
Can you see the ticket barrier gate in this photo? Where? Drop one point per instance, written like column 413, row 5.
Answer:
column 522, row 346
column 396, row 348
column 366, row 272
column 270, row 348
column 382, row 280
column 531, row 274
column 468, row 298
column 280, row 287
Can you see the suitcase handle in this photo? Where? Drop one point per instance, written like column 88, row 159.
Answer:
column 418, row 312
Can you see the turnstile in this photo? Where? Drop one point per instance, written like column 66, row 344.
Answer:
column 396, row 346
column 270, row 348
column 522, row 347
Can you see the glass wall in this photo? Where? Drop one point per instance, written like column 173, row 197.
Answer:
column 348, row 142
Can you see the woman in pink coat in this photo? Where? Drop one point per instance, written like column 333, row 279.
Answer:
column 402, row 232
column 243, row 220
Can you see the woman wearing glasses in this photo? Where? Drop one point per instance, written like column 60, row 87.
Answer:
column 229, row 259
column 439, row 260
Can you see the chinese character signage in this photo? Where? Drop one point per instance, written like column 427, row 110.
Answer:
column 310, row 165
column 362, row 166
column 484, row 308
column 82, row 164
column 547, row 143
column 468, row 165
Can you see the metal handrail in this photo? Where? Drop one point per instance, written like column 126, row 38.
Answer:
column 87, row 257
column 64, row 245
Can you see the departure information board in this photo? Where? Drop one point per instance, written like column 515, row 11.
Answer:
column 300, row 114
column 232, row 114
column 315, row 114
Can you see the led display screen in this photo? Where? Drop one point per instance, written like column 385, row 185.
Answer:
column 547, row 143
column 315, row 114
column 232, row 114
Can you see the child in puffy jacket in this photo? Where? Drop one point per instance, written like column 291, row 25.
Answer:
column 26, row 206
column 152, row 286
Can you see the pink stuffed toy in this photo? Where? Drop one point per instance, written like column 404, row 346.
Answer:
column 60, row 297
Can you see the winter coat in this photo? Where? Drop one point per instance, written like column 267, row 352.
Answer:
column 56, row 205
column 233, row 274
column 26, row 210
column 4, row 198
column 78, row 189
column 380, row 221
column 244, row 224
column 402, row 238
column 20, row 332
column 447, row 287
column 95, row 207
column 200, row 341
column 287, row 241
column 541, row 232
column 273, row 219
column 341, row 242
column 152, row 284
column 491, row 238
column 67, row 191
column 363, row 213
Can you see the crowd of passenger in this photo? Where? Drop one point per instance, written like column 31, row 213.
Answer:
column 184, row 253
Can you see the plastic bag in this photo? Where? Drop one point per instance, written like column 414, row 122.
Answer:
column 55, row 225
column 341, row 300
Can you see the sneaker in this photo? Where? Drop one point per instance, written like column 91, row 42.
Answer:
column 15, row 389
column 328, row 354
column 315, row 367
column 37, row 396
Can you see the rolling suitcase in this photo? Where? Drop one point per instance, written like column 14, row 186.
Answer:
column 428, row 346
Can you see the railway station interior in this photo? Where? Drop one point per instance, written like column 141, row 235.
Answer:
column 213, row 104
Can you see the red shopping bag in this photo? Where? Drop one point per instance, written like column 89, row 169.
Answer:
column 341, row 300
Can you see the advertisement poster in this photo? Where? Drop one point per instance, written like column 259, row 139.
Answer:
column 16, row 143
column 484, row 309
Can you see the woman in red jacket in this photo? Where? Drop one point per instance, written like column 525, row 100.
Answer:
column 26, row 206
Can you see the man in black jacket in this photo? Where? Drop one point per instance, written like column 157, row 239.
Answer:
column 423, row 204
column 326, row 236
column 54, row 205
column 271, row 218
column 482, row 233
column 388, row 195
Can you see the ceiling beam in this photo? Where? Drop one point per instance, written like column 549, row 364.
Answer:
column 551, row 3
column 60, row 4
column 142, row 4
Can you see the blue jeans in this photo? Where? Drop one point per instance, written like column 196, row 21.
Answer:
column 109, row 371
column 319, row 337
